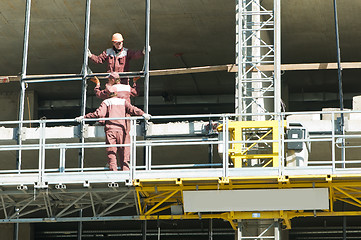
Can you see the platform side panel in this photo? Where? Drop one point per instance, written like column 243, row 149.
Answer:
column 256, row 200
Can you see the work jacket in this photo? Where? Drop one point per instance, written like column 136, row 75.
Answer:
column 123, row 91
column 117, row 62
column 114, row 108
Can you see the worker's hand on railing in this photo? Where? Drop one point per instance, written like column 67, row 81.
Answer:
column 89, row 53
column 95, row 80
column 147, row 116
column 79, row 119
column 149, row 49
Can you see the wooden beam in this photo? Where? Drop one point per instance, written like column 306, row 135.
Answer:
column 6, row 79
column 189, row 70
column 162, row 72
column 303, row 66
column 229, row 67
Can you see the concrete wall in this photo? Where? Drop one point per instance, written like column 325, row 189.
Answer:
column 9, row 106
column 25, row 231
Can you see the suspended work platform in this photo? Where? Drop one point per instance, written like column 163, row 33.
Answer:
column 179, row 165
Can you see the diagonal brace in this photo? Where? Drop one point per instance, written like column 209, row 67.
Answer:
column 70, row 205
column 161, row 202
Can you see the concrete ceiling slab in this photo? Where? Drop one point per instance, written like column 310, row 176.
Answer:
column 184, row 33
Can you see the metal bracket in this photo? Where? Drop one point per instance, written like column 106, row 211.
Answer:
column 85, row 130
column 136, row 182
column 86, row 184
column 21, row 133
column 179, row 181
column 284, row 179
column 223, row 180
column 328, row 178
column 113, row 185
column 22, row 187
column 128, row 182
column 60, row 186
column 41, row 185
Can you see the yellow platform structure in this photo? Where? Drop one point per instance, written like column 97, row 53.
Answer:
column 157, row 196
column 248, row 142
column 251, row 143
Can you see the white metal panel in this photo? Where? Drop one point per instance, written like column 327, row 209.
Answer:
column 256, row 200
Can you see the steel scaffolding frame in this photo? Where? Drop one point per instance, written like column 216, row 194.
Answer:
column 255, row 47
column 149, row 191
column 91, row 194
column 85, row 74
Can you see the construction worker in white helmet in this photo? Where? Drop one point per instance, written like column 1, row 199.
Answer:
column 117, row 57
column 115, row 130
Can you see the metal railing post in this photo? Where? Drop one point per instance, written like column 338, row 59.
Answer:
column 62, row 158
column 41, row 152
column 333, row 143
column 84, row 82
column 339, row 74
column 225, row 146
column 281, row 144
column 146, row 57
column 22, row 83
column 277, row 57
column 133, row 150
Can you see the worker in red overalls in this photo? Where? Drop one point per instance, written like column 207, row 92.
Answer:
column 117, row 57
column 115, row 130
column 124, row 92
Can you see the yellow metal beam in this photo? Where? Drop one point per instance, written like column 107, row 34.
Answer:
column 139, row 204
column 341, row 188
column 161, row 202
column 348, row 195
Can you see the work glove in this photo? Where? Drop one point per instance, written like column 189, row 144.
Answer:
column 147, row 116
column 89, row 53
column 95, row 80
column 79, row 119
column 144, row 50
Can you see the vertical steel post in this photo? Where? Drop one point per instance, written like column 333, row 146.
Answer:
column 225, row 152
column 210, row 229
column 133, row 147
column 158, row 230
column 344, row 228
column 41, row 153
column 339, row 68
column 238, row 235
column 146, row 76
column 80, row 225
column 333, row 141
column 84, row 83
column 339, row 71
column 225, row 146
column 277, row 57
column 277, row 230
column 22, row 83
column 146, row 57
column 238, row 100
column 144, row 230
column 16, row 225
column 16, row 231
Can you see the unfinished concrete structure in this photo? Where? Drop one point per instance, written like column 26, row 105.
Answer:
column 46, row 178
